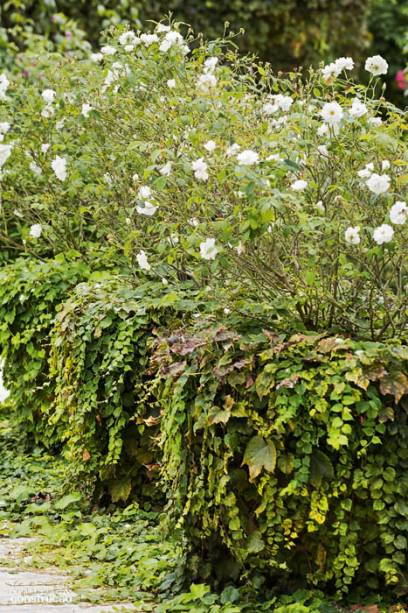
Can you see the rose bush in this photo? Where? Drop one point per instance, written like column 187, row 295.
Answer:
column 204, row 165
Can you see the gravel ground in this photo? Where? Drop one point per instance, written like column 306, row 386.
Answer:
column 39, row 592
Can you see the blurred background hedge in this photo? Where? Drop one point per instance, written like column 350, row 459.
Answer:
column 287, row 33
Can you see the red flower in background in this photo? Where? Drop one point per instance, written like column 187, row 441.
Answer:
column 401, row 80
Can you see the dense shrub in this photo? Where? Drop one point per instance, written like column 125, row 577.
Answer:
column 203, row 184
column 77, row 366
column 45, row 17
column 24, row 39
column 292, row 454
column 206, row 166
column 30, row 294
column 288, row 33
column 103, row 408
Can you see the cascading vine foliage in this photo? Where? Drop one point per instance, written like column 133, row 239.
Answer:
column 103, row 408
column 292, row 453
column 30, row 294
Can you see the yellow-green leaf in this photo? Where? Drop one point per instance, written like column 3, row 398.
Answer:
column 259, row 454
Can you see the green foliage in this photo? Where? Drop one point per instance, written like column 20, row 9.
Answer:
column 102, row 408
column 273, row 243
column 388, row 24
column 110, row 554
column 184, row 182
column 30, row 293
column 286, row 33
column 33, row 28
column 289, row 453
column 44, row 17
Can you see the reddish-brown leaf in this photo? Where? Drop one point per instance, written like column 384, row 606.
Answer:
column 395, row 384
column 225, row 370
column 289, row 382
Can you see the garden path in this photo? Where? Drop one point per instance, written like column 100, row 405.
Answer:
column 23, row 591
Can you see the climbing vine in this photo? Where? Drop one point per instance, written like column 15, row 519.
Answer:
column 289, row 453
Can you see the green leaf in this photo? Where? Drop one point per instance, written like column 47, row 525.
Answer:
column 320, row 468
column 67, row 500
column 198, row 590
column 400, row 542
column 218, row 416
column 401, row 507
column 255, row 543
column 259, row 454
column 120, row 490
column 286, row 463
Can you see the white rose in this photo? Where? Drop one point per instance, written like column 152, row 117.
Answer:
column 367, row 171
column 332, row 113
column 128, row 38
column 36, row 230
column 344, row 63
column 248, row 157
column 208, row 250
column 352, row 236
column 298, row 185
column 378, row 184
column 330, row 71
column 210, row 64
column 144, row 192
column 200, row 169
column 383, row 234
column 108, row 50
column 148, row 209
column 377, row 65
column 48, row 95
column 166, row 169
column 59, row 166
column 5, row 152
column 206, row 82
column 149, row 39
column 232, row 150
column 398, row 213
column 210, row 146
column 358, row 108
column 142, row 260
column 4, row 83
column 86, row 109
